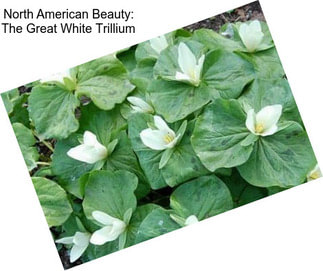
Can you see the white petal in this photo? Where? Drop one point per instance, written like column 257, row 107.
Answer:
column 90, row 139
column 159, row 44
column 186, row 59
column 81, row 238
column 200, row 65
column 76, row 252
column 153, row 139
column 87, row 154
column 65, row 240
column 268, row 118
column 162, row 125
column 108, row 233
column 182, row 77
column 251, row 35
column 103, row 218
column 191, row 220
column 314, row 174
column 251, row 120
column 140, row 104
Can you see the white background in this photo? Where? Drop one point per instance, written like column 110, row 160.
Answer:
column 281, row 232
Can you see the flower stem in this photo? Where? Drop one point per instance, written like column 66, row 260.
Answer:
column 43, row 163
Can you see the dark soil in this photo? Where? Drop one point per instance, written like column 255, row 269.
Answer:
column 250, row 11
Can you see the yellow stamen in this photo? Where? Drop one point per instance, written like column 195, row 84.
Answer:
column 259, row 128
column 168, row 138
column 315, row 175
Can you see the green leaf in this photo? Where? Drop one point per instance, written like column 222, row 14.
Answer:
column 282, row 159
column 26, row 142
column 213, row 40
column 51, row 108
column 203, row 197
column 268, row 92
column 155, row 224
column 53, row 201
column 105, row 91
column 67, row 169
column 224, row 75
column 165, row 157
column 20, row 112
column 218, row 134
column 9, row 98
column 148, row 158
column 95, row 252
column 104, row 124
column 110, row 192
column 138, row 216
column 123, row 157
column 127, row 58
column 183, row 165
column 241, row 191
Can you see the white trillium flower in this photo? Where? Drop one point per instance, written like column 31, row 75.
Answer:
column 139, row 105
column 159, row 44
column 80, row 242
column 192, row 219
column 251, row 35
column 160, row 139
column 264, row 122
column 57, row 77
column 314, row 174
column 191, row 68
column 112, row 229
column 90, row 151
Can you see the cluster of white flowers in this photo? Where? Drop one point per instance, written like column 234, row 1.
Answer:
column 111, row 229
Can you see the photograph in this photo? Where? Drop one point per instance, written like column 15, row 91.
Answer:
column 161, row 135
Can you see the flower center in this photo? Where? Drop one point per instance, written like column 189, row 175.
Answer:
column 259, row 128
column 168, row 138
column 315, row 175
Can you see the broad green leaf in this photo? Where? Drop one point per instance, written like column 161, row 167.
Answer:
column 123, row 157
column 213, row 40
column 26, row 142
column 183, row 164
column 106, row 65
column 155, row 224
column 105, row 91
column 127, row 58
column 51, row 108
column 95, row 252
column 176, row 100
column 53, row 201
column 9, row 98
column 241, row 191
column 267, row 64
column 224, row 74
column 218, row 134
column 104, row 124
column 110, row 192
column 269, row 92
column 67, row 169
column 104, row 80
column 203, row 197
column 142, row 75
column 20, row 112
column 282, row 159
column 138, row 216
column 148, row 158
